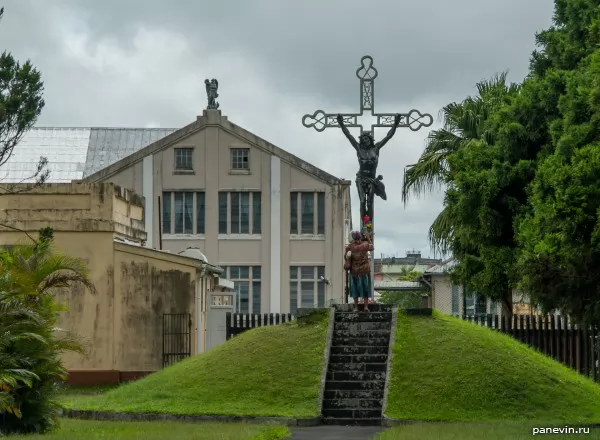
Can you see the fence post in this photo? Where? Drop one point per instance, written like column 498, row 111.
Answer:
column 228, row 326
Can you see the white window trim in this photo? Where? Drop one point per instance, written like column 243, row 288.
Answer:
column 183, row 170
column 315, row 282
column 313, row 236
column 243, row 236
column 240, row 171
column 250, row 280
column 183, row 236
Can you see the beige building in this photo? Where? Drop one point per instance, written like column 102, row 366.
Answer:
column 451, row 299
column 150, row 308
column 275, row 223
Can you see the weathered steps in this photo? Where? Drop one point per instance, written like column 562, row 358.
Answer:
column 357, row 366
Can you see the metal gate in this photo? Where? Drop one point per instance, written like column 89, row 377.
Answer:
column 177, row 337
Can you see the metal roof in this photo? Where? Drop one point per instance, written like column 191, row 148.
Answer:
column 399, row 285
column 441, row 269
column 65, row 149
column 74, row 153
column 110, row 145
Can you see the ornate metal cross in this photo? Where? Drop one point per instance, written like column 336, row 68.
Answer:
column 366, row 73
column 413, row 119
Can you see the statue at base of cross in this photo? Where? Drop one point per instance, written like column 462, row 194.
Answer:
column 356, row 262
column 368, row 183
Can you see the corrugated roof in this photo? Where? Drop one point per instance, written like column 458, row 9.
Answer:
column 110, row 145
column 74, row 153
column 65, row 149
column 398, row 285
column 441, row 269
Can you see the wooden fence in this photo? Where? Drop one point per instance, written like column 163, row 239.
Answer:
column 555, row 336
column 237, row 323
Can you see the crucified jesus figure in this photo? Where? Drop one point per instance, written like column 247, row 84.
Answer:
column 368, row 182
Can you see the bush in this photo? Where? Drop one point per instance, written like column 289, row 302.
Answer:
column 30, row 343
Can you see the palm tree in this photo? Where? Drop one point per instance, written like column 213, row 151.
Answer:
column 30, row 343
column 463, row 123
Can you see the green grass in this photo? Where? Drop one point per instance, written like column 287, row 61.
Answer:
column 92, row 430
column 466, row 431
column 446, row 369
column 268, row 371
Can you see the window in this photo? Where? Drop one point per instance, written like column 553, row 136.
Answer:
column 183, row 159
column 454, row 300
column 306, row 287
column 240, row 158
column 240, row 212
column 307, row 213
column 474, row 305
column 183, row 212
column 246, row 281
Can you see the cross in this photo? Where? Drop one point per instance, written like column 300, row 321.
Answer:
column 413, row 120
column 366, row 74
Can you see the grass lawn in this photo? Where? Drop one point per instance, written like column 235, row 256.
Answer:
column 451, row 370
column 268, row 371
column 92, row 430
column 476, row 431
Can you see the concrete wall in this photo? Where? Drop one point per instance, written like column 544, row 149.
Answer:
column 275, row 249
column 122, row 323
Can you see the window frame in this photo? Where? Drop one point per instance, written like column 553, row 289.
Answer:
column 176, row 163
column 252, row 280
column 296, row 280
column 233, row 159
column 226, row 213
column 296, row 225
column 198, row 225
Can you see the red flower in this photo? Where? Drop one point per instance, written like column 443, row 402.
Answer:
column 366, row 219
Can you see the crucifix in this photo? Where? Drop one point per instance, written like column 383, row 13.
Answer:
column 368, row 183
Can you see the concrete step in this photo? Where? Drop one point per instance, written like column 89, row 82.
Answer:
column 363, row 317
column 351, row 422
column 362, row 326
column 372, row 307
column 359, row 350
column 352, row 404
column 362, row 366
column 353, row 394
column 361, row 333
column 352, row 413
column 354, row 385
column 383, row 341
column 356, row 375
column 358, row 358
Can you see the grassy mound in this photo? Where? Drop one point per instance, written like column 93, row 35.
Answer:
column 93, row 430
column 446, row 369
column 268, row 371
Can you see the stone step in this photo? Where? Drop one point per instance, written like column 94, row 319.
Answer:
column 362, row 326
column 352, row 404
column 362, row 366
column 358, row 358
column 354, row 385
column 372, row 307
column 359, row 350
column 383, row 341
column 353, row 394
column 363, row 317
column 361, row 333
column 351, row 422
column 356, row 375
column 352, row 413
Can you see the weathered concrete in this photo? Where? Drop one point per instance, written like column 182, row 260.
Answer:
column 390, row 359
column 357, row 367
column 336, row 433
column 327, row 355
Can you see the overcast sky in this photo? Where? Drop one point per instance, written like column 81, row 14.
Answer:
column 142, row 63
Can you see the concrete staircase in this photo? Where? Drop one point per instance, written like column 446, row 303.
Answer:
column 357, row 366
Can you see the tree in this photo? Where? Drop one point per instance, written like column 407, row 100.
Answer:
column 30, row 343
column 21, row 103
column 560, row 234
column 464, row 123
